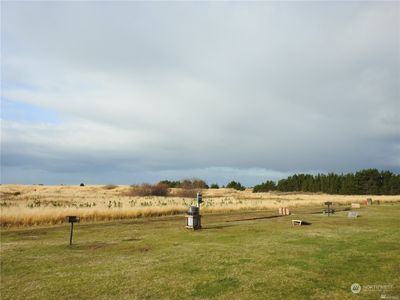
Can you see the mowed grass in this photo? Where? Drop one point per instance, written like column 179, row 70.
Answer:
column 243, row 255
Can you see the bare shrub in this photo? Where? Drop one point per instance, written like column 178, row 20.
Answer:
column 146, row 189
column 140, row 190
column 159, row 189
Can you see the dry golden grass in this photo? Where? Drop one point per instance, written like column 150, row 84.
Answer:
column 27, row 217
column 26, row 205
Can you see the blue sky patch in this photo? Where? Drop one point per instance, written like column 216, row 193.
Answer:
column 24, row 112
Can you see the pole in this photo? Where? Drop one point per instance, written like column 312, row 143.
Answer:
column 72, row 230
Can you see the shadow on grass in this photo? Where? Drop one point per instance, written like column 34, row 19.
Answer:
column 88, row 246
column 256, row 218
column 217, row 226
column 305, row 223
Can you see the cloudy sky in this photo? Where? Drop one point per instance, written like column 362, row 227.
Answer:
column 131, row 92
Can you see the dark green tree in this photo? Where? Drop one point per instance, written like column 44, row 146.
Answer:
column 265, row 187
column 235, row 185
column 364, row 182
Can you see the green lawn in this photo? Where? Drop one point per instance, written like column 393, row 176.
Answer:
column 231, row 258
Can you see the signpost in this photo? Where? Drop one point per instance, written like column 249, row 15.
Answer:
column 329, row 209
column 72, row 220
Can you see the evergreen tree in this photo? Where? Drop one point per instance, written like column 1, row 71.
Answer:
column 235, row 185
column 364, row 182
column 265, row 187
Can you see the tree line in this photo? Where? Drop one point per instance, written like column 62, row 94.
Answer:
column 364, row 182
column 196, row 183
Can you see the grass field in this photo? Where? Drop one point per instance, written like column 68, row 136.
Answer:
column 27, row 205
column 240, row 255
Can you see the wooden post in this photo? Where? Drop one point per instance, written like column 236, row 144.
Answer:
column 72, row 230
column 328, row 203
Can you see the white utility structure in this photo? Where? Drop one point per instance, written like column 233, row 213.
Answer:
column 193, row 217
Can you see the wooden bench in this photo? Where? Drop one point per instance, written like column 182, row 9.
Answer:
column 296, row 222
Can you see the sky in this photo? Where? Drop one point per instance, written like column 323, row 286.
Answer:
column 132, row 92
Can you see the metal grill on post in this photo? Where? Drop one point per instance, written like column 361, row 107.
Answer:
column 72, row 220
column 328, row 210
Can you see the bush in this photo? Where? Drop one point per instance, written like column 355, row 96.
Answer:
column 235, row 185
column 214, row 186
column 146, row 189
column 194, row 183
column 159, row 189
column 170, row 184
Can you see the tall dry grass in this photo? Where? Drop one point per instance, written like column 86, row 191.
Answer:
column 34, row 205
column 46, row 216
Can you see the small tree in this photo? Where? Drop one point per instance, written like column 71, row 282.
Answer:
column 214, row 186
column 170, row 184
column 193, row 183
column 235, row 185
column 146, row 189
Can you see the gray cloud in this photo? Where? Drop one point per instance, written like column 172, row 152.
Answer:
column 148, row 90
